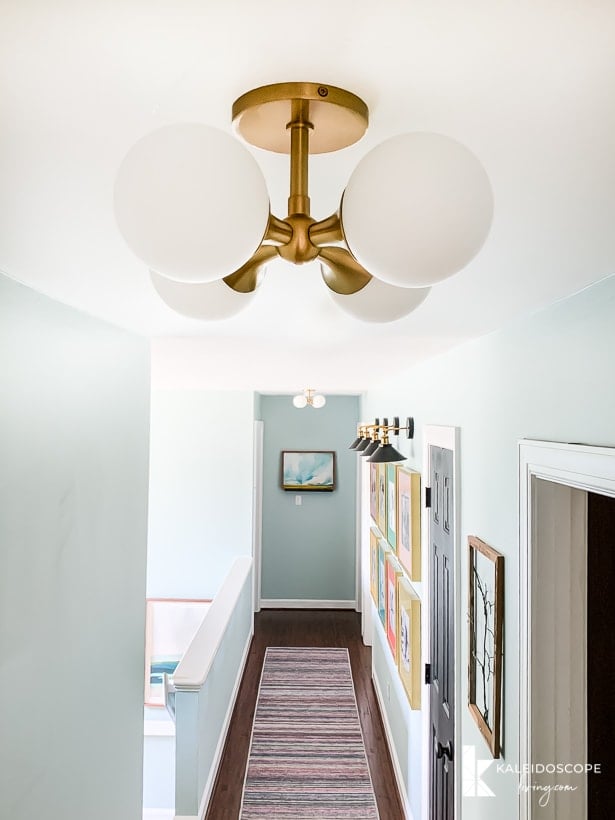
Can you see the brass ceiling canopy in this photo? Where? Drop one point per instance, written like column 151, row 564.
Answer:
column 299, row 119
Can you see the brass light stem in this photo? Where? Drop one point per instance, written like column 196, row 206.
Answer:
column 299, row 201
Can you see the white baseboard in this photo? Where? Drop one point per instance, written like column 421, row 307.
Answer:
column 304, row 603
column 389, row 739
column 207, row 792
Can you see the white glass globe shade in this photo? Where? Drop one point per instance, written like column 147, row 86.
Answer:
column 379, row 302
column 299, row 401
column 211, row 301
column 318, row 401
column 191, row 202
column 417, row 209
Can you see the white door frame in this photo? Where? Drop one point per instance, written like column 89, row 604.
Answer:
column 257, row 509
column 448, row 438
column 582, row 467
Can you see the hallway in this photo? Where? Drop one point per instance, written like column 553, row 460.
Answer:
column 335, row 628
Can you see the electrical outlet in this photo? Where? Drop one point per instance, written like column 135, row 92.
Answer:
column 298, row 500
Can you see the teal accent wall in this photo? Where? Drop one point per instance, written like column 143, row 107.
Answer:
column 74, row 438
column 308, row 551
column 547, row 376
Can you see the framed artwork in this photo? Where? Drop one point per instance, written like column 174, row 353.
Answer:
column 170, row 626
column 373, row 492
column 486, row 621
column 394, row 572
column 409, row 521
column 409, row 629
column 383, row 551
column 391, row 478
column 374, row 537
column 382, row 497
column 312, row 470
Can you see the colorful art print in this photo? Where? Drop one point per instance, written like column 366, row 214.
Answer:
column 170, row 626
column 409, row 521
column 391, row 479
column 409, row 628
column 373, row 492
column 312, row 470
column 374, row 537
column 383, row 551
column 394, row 571
column 382, row 498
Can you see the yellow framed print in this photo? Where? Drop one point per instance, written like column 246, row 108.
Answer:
column 374, row 537
column 409, row 631
column 382, row 497
column 409, row 521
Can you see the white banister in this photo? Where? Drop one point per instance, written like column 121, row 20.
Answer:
column 194, row 667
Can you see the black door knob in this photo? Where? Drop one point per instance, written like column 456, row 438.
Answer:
column 444, row 751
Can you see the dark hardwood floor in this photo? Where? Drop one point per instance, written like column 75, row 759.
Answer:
column 305, row 628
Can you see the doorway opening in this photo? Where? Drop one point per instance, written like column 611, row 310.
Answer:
column 566, row 576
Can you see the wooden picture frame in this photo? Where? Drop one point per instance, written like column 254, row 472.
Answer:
column 170, row 626
column 485, row 642
column 409, row 521
column 409, row 640
column 391, row 479
column 373, row 492
column 374, row 537
column 382, row 497
column 307, row 470
column 394, row 572
column 383, row 550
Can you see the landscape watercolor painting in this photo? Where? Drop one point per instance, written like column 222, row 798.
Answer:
column 308, row 470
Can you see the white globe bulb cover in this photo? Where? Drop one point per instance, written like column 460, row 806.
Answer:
column 300, row 401
column 318, row 401
column 211, row 301
column 417, row 209
column 191, row 202
column 379, row 302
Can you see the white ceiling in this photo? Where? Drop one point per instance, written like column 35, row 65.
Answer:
column 527, row 85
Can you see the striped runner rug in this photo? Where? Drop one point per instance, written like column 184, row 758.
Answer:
column 307, row 757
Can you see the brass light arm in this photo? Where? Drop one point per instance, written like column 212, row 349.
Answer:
column 278, row 231
column 341, row 271
column 247, row 278
column 327, row 230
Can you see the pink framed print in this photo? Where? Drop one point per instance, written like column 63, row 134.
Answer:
column 394, row 571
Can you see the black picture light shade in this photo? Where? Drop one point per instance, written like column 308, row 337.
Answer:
column 384, row 454
column 362, row 445
column 371, row 448
column 356, row 443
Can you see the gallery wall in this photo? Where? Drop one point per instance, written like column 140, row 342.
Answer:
column 200, row 489
column 547, row 376
column 74, row 416
column 308, row 551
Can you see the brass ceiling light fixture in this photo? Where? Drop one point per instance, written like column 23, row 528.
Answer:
column 192, row 203
column 309, row 398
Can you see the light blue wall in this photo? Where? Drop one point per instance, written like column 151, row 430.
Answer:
column 549, row 376
column 309, row 550
column 74, row 418
column 200, row 490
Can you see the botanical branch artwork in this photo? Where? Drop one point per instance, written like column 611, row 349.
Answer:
column 485, row 616
column 482, row 650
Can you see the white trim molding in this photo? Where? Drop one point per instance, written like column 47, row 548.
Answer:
column 392, row 751
column 580, row 467
column 304, row 603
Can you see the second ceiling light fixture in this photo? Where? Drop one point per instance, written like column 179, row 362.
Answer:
column 192, row 203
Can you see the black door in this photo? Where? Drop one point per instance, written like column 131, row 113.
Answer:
column 600, row 654
column 442, row 635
